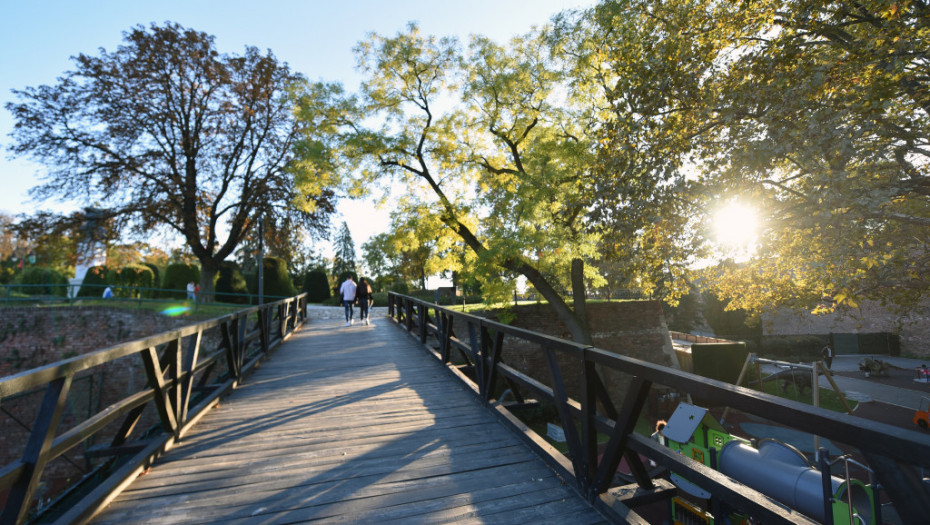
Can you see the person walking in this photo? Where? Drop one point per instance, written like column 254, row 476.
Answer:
column 347, row 291
column 827, row 353
column 363, row 294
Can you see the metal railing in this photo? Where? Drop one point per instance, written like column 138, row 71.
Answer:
column 895, row 454
column 186, row 371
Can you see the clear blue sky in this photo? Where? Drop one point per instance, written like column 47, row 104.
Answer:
column 37, row 39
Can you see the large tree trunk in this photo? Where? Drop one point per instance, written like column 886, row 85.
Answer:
column 579, row 293
column 208, row 269
column 576, row 324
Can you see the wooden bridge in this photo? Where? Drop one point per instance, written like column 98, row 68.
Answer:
column 400, row 422
column 354, row 424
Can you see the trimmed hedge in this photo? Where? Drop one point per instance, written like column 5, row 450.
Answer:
column 231, row 281
column 177, row 276
column 43, row 281
column 316, row 284
column 135, row 276
column 277, row 280
column 95, row 280
column 156, row 273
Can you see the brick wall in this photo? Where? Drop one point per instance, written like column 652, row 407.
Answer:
column 32, row 337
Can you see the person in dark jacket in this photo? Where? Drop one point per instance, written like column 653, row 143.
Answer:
column 363, row 296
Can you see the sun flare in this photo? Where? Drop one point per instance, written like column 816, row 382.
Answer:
column 736, row 226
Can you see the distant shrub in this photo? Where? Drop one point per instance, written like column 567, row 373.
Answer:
column 134, row 276
column 43, row 281
column 177, row 275
column 230, row 284
column 401, row 288
column 316, row 284
column 277, row 281
column 156, row 274
column 95, row 281
column 332, row 301
column 379, row 299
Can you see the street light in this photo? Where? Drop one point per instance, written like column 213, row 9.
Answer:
column 261, row 259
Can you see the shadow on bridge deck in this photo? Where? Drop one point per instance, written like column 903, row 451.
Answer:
column 352, row 424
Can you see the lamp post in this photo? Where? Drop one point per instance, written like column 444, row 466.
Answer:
column 261, row 259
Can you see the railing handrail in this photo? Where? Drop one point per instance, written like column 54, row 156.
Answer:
column 170, row 385
column 29, row 379
column 894, row 450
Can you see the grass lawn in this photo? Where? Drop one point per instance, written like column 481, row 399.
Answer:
column 198, row 310
column 828, row 398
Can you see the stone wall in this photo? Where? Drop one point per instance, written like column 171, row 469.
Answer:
column 871, row 317
column 32, row 337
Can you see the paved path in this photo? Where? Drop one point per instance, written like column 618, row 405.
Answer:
column 907, row 395
column 338, row 312
column 350, row 424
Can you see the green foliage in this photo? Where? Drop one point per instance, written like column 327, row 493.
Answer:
column 231, row 281
column 379, row 299
column 156, row 274
column 684, row 316
column 6, row 274
column 728, row 323
column 332, row 301
column 344, row 258
column 43, row 281
column 401, row 288
column 277, row 281
column 192, row 138
column 177, row 275
column 823, row 112
column 316, row 284
column 95, row 281
column 134, row 276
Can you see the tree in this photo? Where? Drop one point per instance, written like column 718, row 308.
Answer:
column 517, row 158
column 642, row 73
column 416, row 246
column 168, row 132
column 344, row 258
column 9, row 242
column 827, row 129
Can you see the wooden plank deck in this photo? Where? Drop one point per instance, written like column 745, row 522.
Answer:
column 349, row 424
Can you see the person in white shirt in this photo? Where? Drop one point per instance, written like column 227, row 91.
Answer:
column 347, row 291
